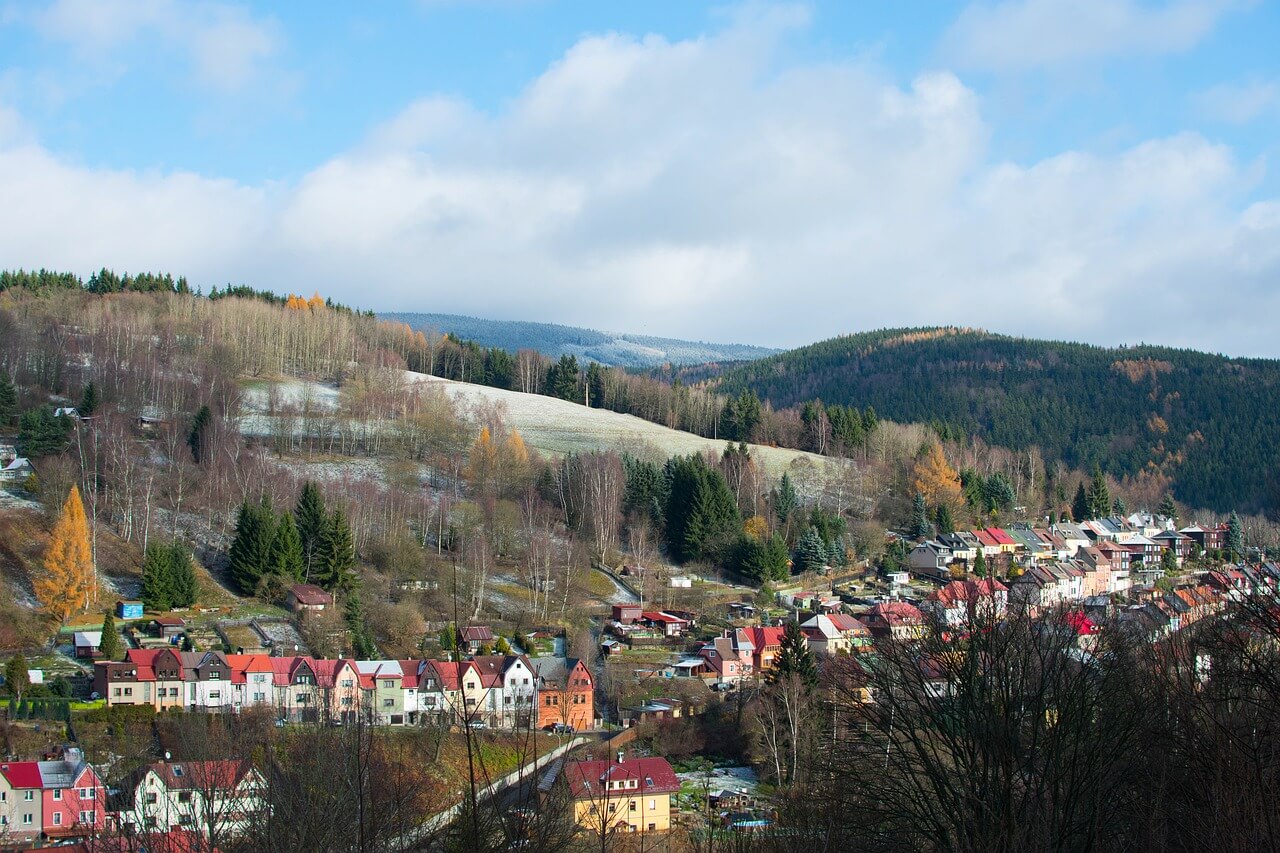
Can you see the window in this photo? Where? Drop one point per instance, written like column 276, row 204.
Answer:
column 4, row 796
column 631, row 806
column 215, row 694
column 151, row 799
column 57, row 818
column 57, row 793
column 653, row 827
column 128, row 691
column 653, row 804
column 303, row 698
column 346, row 701
column 259, row 697
column 4, row 820
column 613, row 807
column 214, row 675
column 88, row 818
column 26, row 820
column 346, row 682
column 115, row 691
column 388, row 684
column 388, row 703
column 184, row 796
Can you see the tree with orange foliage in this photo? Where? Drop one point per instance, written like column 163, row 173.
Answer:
column 514, row 464
column 482, row 464
column 756, row 527
column 936, row 480
column 296, row 303
column 69, row 581
column 315, row 301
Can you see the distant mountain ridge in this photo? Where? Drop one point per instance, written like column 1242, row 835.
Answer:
column 553, row 340
column 1206, row 421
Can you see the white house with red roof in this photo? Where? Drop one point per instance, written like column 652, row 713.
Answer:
column 959, row 603
column 835, row 633
column 215, row 798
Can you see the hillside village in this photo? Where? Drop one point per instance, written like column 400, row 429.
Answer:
column 216, row 605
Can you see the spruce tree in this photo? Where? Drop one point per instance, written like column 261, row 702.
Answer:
column 1168, row 508
column 337, row 554
column 251, row 548
column 286, row 549
column 1118, row 507
column 1080, row 504
column 89, row 401
column 919, row 528
column 16, row 676
column 8, row 399
column 157, row 578
column 353, row 613
column 198, row 435
column 794, row 658
column 1235, row 536
column 785, row 499
column 811, row 552
column 1099, row 496
column 980, row 564
column 311, row 517
column 182, row 576
column 110, row 645
column 944, row 520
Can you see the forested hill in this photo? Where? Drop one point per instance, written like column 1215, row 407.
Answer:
column 1207, row 421
column 620, row 350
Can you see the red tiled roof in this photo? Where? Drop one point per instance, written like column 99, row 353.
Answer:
column 22, row 774
column 764, row 637
column 1000, row 537
column 658, row 616
column 477, row 634
column 310, row 594
column 653, row 775
column 1080, row 623
column 219, row 775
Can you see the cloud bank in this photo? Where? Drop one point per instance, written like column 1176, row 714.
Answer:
column 703, row 189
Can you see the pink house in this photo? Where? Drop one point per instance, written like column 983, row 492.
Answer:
column 59, row 799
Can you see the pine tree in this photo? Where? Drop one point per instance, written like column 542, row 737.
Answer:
column 919, row 528
column 1118, row 507
column 110, row 645
column 794, row 658
column 286, row 549
column 157, row 578
column 68, row 582
column 89, row 401
column 310, row 517
column 182, row 576
column 8, row 399
column 198, row 435
column 1168, row 508
column 1235, row 536
column 980, row 564
column 1080, row 504
column 251, row 548
column 337, row 554
column 811, row 551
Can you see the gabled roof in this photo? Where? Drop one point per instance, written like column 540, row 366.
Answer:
column 1000, row 536
column 587, row 779
column 310, row 594
column 663, row 617
column 477, row 634
column 764, row 637
column 223, row 775
column 22, row 774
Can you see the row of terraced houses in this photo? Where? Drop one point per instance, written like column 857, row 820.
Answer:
column 503, row 691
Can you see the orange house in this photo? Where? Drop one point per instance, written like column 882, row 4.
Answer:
column 566, row 693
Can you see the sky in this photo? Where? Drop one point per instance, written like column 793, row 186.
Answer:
column 767, row 173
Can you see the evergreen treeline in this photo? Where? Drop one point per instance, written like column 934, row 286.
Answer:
column 168, row 577
column 308, row 544
column 1206, row 420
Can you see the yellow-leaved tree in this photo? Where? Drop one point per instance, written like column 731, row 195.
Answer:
column 482, row 464
column 936, row 480
column 68, row 582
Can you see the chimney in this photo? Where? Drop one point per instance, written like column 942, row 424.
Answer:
column 621, row 754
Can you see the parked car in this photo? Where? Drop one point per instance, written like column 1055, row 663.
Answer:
column 477, row 724
column 562, row 729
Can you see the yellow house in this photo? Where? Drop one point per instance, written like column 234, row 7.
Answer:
column 623, row 796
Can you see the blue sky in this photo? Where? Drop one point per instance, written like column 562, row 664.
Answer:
column 759, row 172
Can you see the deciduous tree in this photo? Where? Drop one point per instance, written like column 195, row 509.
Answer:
column 69, row 581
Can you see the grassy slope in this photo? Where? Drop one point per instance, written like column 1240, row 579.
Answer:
column 557, row 427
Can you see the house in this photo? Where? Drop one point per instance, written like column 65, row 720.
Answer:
column 58, row 799
column 626, row 614
column 960, row 603
column 766, row 643
column 729, row 658
column 681, row 582
column 128, row 609
column 627, row 795
column 1144, row 549
column 215, row 798
column 835, row 633
column 1178, row 542
column 382, row 685
column 16, row 471
column 475, row 636
column 168, row 627
column 989, row 545
column 930, row 559
column 501, row 690
column 307, row 596
column 1209, row 538
column 668, row 623
column 742, row 610
column 1005, row 544
column 1073, row 536
column 963, row 544
column 896, row 619
column 566, row 693
column 88, row 644
column 654, row 709
column 66, row 412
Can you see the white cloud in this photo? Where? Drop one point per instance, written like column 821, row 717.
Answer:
column 225, row 45
column 1239, row 103
column 1019, row 34
column 692, row 188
